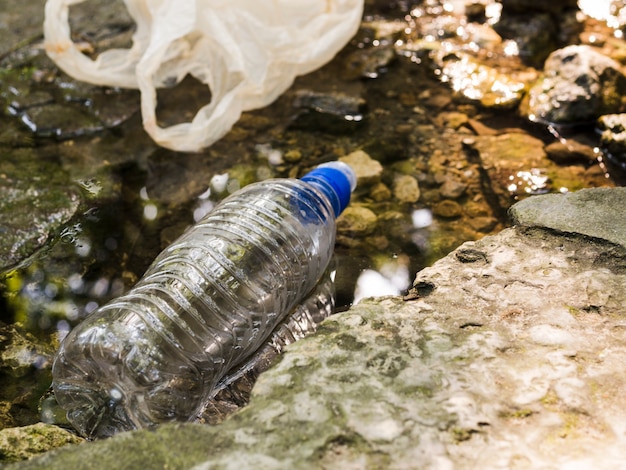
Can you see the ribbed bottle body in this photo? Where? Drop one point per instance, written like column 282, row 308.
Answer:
column 205, row 305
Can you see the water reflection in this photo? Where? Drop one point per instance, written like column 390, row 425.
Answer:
column 533, row 181
column 393, row 278
column 150, row 209
column 422, row 218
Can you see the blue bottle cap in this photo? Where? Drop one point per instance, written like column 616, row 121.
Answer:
column 336, row 180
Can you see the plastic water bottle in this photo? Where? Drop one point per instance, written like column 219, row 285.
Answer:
column 234, row 389
column 204, row 306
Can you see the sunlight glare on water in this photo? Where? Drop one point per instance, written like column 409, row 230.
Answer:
column 598, row 9
column 393, row 278
column 611, row 11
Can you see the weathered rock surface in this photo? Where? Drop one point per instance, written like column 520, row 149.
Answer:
column 589, row 212
column 509, row 355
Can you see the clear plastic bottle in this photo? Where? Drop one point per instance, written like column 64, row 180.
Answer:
column 234, row 389
column 204, row 306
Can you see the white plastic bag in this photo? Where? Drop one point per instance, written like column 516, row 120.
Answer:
column 247, row 52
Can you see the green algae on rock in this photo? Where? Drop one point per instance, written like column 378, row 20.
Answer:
column 36, row 201
column 28, row 441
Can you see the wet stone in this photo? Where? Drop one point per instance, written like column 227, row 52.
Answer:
column 534, row 33
column 447, row 209
column 335, row 113
column 453, row 119
column 60, row 121
column 37, row 98
column 516, row 165
column 482, row 224
column 368, row 63
column 477, row 83
column 452, row 188
column 357, row 221
column 23, row 23
column 368, row 171
column 579, row 85
column 19, row 353
column 570, row 151
column 14, row 134
column 104, row 25
column 25, row 442
column 73, row 91
column 406, row 189
column 292, row 156
column 475, row 12
column 36, row 201
column 25, row 363
column 380, row 192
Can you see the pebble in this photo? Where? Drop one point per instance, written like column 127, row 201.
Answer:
column 292, row 156
column 452, row 188
column 368, row 171
column 613, row 133
column 406, row 189
column 380, row 192
column 357, row 221
column 453, row 119
column 482, row 224
column 570, row 152
column 448, row 209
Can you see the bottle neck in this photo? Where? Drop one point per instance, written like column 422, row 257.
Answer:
column 336, row 181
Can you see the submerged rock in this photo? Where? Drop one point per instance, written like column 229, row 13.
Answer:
column 576, row 149
column 508, row 354
column 368, row 171
column 406, row 189
column 25, row 364
column 515, row 165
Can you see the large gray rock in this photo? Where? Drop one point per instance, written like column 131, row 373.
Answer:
column 597, row 213
column 508, row 353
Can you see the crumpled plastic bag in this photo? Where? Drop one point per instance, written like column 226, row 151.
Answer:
column 247, row 52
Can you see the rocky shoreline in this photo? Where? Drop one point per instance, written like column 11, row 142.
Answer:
column 507, row 353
